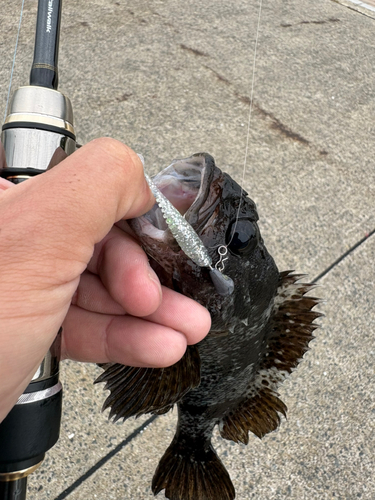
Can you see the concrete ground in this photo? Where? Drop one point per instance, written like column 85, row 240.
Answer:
column 171, row 79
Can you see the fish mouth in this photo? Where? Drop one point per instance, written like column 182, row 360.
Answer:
column 186, row 184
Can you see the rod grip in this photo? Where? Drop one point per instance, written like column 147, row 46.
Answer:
column 13, row 490
column 30, row 429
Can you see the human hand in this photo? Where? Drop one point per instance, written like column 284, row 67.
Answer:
column 64, row 262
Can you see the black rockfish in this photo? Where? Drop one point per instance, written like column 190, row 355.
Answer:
column 259, row 332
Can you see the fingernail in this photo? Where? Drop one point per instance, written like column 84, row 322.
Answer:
column 153, row 277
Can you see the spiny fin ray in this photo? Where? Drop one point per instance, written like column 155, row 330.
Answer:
column 292, row 324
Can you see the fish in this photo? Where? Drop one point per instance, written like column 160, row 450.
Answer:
column 259, row 332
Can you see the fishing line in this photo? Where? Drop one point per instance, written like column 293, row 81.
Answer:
column 251, row 95
column 14, row 60
column 223, row 249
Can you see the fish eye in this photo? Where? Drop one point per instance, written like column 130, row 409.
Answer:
column 242, row 236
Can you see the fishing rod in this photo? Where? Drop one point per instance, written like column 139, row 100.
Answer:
column 37, row 132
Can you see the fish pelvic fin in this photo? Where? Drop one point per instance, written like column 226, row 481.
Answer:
column 137, row 391
column 191, row 474
column 260, row 414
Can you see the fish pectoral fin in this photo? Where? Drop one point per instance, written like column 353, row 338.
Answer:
column 187, row 473
column 136, row 391
column 259, row 414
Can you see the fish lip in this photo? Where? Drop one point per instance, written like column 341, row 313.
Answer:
column 186, row 184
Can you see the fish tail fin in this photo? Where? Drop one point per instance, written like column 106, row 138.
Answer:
column 191, row 474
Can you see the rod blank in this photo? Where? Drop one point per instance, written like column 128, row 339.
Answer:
column 44, row 68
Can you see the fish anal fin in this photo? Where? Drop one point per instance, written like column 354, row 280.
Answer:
column 259, row 414
column 137, row 391
column 185, row 474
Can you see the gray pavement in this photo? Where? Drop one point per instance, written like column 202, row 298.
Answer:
column 171, row 79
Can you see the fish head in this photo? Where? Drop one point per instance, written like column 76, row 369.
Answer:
column 226, row 220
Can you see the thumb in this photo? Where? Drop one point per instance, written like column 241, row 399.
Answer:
column 48, row 228
column 62, row 214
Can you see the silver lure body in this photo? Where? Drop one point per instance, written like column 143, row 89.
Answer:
column 188, row 239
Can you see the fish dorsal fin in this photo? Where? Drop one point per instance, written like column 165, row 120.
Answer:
column 136, row 391
column 292, row 324
column 292, row 327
